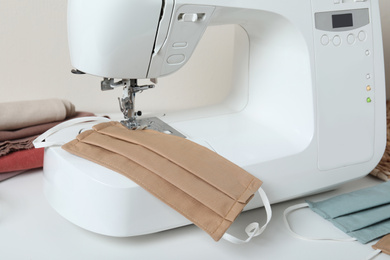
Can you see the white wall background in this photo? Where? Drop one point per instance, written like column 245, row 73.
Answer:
column 34, row 63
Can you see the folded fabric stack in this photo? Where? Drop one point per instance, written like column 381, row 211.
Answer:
column 20, row 123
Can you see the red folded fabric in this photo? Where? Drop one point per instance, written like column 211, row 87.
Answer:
column 22, row 160
column 36, row 129
column 6, row 175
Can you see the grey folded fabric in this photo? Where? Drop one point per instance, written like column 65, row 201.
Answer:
column 19, row 114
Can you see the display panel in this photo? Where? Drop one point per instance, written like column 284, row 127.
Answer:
column 342, row 20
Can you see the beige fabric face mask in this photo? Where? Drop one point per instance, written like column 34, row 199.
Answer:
column 204, row 187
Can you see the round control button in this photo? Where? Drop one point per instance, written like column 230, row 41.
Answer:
column 362, row 36
column 176, row 59
column 336, row 40
column 351, row 38
column 324, row 39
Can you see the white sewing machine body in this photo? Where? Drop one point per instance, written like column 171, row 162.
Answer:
column 308, row 112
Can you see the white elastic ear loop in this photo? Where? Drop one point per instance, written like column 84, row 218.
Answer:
column 253, row 229
column 304, row 205
column 373, row 254
column 40, row 142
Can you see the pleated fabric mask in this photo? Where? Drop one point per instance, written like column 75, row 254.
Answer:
column 204, row 187
column 382, row 245
column 363, row 214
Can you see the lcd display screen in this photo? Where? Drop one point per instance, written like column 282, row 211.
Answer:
column 342, row 20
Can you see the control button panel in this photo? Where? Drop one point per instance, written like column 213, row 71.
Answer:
column 345, row 83
column 337, row 39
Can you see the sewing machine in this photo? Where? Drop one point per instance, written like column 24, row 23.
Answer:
column 307, row 112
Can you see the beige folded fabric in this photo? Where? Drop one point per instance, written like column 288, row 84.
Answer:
column 204, row 187
column 16, row 115
column 383, row 245
column 36, row 129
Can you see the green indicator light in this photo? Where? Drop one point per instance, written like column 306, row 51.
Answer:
column 368, row 100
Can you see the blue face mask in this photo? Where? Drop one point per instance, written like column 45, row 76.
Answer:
column 364, row 214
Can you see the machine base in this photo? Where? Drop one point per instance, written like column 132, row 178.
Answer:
column 105, row 202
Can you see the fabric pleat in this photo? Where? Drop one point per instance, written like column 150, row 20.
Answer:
column 204, row 187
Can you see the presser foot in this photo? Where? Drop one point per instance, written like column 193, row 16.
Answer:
column 127, row 101
column 133, row 125
column 152, row 123
column 127, row 106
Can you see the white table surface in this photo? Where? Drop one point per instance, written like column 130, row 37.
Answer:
column 31, row 230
